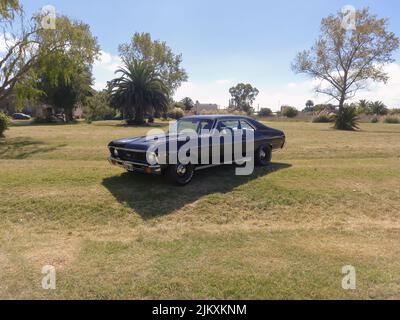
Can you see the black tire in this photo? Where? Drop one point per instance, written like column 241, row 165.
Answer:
column 180, row 174
column 263, row 156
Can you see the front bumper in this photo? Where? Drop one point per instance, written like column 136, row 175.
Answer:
column 135, row 166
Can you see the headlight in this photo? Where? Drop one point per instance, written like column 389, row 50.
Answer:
column 152, row 158
column 115, row 152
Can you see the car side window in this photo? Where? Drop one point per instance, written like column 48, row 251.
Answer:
column 205, row 125
column 232, row 124
column 245, row 125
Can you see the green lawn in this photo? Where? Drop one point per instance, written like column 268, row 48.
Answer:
column 330, row 199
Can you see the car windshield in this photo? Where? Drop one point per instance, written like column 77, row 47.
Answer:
column 196, row 125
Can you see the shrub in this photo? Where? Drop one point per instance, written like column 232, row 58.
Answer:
column 395, row 111
column 323, row 116
column 265, row 112
column 290, row 112
column 346, row 119
column 321, row 107
column 374, row 119
column 392, row 119
column 176, row 113
column 4, row 123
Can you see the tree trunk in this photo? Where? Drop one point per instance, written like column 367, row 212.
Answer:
column 69, row 114
column 339, row 122
column 341, row 103
column 139, row 116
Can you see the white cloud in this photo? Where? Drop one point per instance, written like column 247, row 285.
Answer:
column 388, row 93
column 104, row 69
column 205, row 93
column 224, row 81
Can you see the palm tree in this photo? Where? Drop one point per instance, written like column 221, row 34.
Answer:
column 309, row 106
column 346, row 118
column 139, row 90
column 378, row 108
column 363, row 106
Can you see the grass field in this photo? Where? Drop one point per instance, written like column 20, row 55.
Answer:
column 330, row 199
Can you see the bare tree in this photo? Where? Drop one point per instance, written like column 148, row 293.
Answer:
column 344, row 59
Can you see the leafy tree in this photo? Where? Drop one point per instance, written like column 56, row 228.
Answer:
column 265, row 112
column 138, row 90
column 188, row 103
column 176, row 113
column 34, row 53
column 4, row 123
column 344, row 60
column 65, row 93
column 165, row 62
column 98, row 107
column 243, row 96
column 8, row 8
column 289, row 112
column 63, row 77
column 378, row 108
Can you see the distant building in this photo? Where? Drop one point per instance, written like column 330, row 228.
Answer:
column 204, row 107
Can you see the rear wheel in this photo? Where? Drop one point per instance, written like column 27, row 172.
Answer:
column 180, row 174
column 263, row 156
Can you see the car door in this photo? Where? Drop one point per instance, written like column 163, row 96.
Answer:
column 227, row 128
column 245, row 126
column 205, row 141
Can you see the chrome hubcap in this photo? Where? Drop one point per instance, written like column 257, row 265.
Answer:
column 263, row 155
column 181, row 170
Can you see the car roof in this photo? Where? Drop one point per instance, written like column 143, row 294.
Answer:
column 214, row 117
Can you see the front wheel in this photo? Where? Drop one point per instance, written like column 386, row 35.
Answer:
column 180, row 174
column 263, row 156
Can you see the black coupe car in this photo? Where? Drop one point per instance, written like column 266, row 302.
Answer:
column 153, row 155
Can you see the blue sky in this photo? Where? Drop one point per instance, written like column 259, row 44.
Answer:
column 225, row 42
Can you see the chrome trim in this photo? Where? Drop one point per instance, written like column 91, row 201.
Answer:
column 244, row 120
column 122, row 162
column 207, row 166
column 126, row 149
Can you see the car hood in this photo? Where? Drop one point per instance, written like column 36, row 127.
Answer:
column 140, row 143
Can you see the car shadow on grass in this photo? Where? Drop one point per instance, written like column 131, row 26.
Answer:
column 153, row 196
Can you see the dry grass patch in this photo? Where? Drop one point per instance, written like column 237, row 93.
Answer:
column 330, row 199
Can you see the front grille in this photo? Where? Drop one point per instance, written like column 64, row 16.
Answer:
column 129, row 155
column 132, row 156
